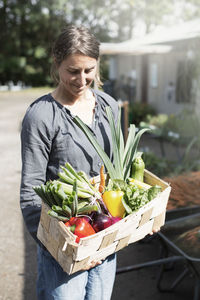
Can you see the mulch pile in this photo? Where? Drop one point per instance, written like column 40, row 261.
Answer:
column 189, row 242
column 185, row 190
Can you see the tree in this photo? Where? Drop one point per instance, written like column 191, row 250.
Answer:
column 28, row 28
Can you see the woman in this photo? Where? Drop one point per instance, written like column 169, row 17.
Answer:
column 49, row 139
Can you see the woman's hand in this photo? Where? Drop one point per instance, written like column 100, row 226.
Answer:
column 92, row 264
column 154, row 231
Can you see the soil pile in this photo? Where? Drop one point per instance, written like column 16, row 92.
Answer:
column 189, row 242
column 185, row 190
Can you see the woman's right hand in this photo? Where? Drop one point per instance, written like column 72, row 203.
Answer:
column 92, row 264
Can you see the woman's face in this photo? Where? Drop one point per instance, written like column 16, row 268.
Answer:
column 76, row 74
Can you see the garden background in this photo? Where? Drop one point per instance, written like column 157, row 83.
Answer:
column 171, row 150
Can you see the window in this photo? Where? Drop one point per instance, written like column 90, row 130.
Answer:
column 154, row 75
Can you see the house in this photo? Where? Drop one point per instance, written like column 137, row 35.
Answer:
column 160, row 69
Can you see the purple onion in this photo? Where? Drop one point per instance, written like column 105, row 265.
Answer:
column 101, row 221
column 115, row 219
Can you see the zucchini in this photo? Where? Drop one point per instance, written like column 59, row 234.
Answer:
column 137, row 169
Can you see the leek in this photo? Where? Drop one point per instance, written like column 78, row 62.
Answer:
column 69, row 175
column 123, row 155
column 110, row 168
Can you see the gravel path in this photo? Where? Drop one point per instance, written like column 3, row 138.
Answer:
column 17, row 249
column 12, row 247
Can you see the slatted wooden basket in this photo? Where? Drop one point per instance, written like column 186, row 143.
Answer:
column 72, row 257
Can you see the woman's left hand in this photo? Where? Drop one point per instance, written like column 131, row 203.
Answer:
column 154, row 231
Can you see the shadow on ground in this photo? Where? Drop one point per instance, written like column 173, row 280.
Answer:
column 142, row 284
column 30, row 267
column 134, row 285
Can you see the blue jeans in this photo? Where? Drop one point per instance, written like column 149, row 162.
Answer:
column 54, row 283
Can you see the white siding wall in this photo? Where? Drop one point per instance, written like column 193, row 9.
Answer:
column 125, row 64
column 113, row 72
column 166, row 65
column 167, row 71
column 138, row 82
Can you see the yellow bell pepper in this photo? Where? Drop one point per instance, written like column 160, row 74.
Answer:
column 113, row 202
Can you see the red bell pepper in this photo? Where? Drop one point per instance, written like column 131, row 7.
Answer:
column 80, row 227
column 72, row 221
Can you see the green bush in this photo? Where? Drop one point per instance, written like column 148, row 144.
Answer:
column 163, row 167
column 186, row 124
column 159, row 166
column 180, row 128
column 139, row 111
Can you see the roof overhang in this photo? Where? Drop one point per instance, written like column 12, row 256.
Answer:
column 161, row 40
column 120, row 48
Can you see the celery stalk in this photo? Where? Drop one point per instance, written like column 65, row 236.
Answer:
column 69, row 188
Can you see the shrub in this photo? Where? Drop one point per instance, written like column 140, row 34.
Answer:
column 159, row 166
column 139, row 111
column 180, row 128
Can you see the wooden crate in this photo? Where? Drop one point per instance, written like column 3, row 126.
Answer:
column 72, row 257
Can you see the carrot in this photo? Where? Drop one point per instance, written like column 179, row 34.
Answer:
column 102, row 180
column 92, row 181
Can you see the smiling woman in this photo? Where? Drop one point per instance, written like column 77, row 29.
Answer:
column 71, row 42
column 77, row 70
column 77, row 73
column 50, row 138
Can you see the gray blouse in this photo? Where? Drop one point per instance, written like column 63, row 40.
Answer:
column 49, row 139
